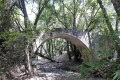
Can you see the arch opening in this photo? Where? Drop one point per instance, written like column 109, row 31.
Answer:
column 61, row 50
column 85, row 52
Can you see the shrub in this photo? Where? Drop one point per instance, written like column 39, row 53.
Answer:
column 100, row 68
column 116, row 75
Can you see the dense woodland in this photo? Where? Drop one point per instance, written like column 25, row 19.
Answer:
column 22, row 21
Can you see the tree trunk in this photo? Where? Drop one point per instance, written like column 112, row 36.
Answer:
column 39, row 12
column 68, row 51
column 24, row 13
column 116, row 4
column 28, row 56
column 28, row 63
column 112, row 32
column 106, row 17
column 74, row 14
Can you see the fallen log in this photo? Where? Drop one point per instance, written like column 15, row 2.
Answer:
column 45, row 57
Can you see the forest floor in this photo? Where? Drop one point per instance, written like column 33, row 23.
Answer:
column 58, row 71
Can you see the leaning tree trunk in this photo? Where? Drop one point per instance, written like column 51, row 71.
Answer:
column 116, row 4
column 111, row 30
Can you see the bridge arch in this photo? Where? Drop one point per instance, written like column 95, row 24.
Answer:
column 85, row 52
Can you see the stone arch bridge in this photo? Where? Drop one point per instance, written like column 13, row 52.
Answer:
column 78, row 38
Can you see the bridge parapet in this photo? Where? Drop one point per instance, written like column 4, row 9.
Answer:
column 74, row 32
column 57, row 31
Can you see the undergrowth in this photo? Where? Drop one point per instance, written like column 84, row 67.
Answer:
column 101, row 69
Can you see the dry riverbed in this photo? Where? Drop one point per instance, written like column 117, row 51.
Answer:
column 58, row 71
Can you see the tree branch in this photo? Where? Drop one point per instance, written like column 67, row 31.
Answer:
column 39, row 13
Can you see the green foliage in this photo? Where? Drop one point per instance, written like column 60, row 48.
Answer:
column 43, row 28
column 1, row 4
column 116, row 75
column 92, row 3
column 87, row 68
column 13, row 37
column 117, row 34
column 12, row 50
